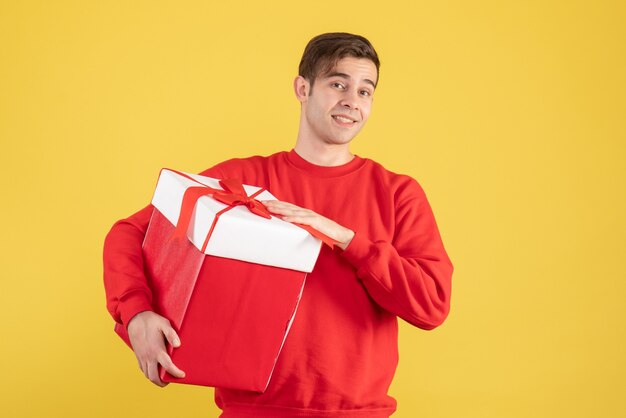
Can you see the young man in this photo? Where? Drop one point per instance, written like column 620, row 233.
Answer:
column 341, row 352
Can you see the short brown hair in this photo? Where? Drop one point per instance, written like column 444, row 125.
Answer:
column 324, row 51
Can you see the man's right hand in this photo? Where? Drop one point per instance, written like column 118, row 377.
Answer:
column 147, row 332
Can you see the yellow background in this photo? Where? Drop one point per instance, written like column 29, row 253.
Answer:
column 509, row 113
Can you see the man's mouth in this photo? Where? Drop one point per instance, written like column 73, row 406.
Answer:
column 343, row 119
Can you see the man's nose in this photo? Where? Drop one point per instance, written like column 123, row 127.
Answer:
column 350, row 99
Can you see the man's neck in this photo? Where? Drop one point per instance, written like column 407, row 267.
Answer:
column 327, row 155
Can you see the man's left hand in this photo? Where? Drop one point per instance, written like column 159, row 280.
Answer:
column 292, row 213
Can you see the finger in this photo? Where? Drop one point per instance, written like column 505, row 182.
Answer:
column 276, row 202
column 153, row 375
column 273, row 206
column 304, row 220
column 283, row 209
column 304, row 216
column 170, row 367
column 279, row 205
column 283, row 212
column 171, row 336
column 290, row 211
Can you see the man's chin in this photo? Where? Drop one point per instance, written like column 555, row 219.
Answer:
column 343, row 137
column 340, row 141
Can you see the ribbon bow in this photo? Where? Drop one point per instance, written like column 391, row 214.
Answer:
column 233, row 194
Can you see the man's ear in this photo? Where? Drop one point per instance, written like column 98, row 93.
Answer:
column 301, row 87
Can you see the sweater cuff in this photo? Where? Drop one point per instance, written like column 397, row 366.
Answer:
column 358, row 251
column 132, row 304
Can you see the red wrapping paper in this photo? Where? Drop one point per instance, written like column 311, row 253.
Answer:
column 232, row 316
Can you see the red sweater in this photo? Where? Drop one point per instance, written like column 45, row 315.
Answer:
column 341, row 352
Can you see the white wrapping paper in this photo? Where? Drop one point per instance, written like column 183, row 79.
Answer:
column 239, row 233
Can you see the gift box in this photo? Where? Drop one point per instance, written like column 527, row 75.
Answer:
column 227, row 275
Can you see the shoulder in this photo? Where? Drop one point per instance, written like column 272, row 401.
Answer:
column 401, row 186
column 244, row 168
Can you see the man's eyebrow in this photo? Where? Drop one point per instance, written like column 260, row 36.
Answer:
column 347, row 77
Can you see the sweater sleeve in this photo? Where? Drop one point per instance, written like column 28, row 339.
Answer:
column 411, row 276
column 125, row 283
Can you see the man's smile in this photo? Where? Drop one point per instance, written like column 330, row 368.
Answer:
column 344, row 120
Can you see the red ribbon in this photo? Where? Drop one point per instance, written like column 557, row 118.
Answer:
column 233, row 194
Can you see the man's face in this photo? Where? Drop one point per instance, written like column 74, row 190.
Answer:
column 339, row 103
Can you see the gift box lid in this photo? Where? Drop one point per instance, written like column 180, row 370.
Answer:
column 238, row 234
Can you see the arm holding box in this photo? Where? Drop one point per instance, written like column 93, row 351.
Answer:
column 411, row 276
column 129, row 299
column 125, row 282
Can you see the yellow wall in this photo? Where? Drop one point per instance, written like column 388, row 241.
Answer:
column 509, row 113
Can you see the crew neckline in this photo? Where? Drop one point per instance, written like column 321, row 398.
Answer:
column 324, row 171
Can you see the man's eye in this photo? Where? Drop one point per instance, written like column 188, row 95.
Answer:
column 338, row 85
column 365, row 93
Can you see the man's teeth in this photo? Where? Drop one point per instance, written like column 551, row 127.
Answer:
column 342, row 119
